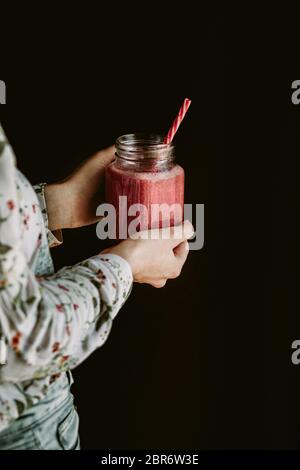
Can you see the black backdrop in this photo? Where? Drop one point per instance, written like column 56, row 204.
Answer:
column 205, row 362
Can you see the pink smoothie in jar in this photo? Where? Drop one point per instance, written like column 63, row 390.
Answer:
column 144, row 171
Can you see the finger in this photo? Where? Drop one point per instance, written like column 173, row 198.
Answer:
column 158, row 284
column 188, row 230
column 175, row 234
column 181, row 252
column 105, row 156
column 179, row 233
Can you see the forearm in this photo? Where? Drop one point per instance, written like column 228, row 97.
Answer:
column 59, row 206
column 53, row 324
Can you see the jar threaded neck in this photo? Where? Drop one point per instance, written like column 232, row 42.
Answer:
column 144, row 152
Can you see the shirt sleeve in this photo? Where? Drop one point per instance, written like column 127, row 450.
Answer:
column 51, row 324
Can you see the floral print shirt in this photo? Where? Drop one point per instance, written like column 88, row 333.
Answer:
column 49, row 322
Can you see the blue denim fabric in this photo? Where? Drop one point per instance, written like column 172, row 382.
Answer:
column 51, row 424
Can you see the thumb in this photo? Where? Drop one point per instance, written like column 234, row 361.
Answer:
column 175, row 234
column 104, row 157
column 179, row 233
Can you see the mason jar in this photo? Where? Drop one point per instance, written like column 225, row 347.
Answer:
column 144, row 184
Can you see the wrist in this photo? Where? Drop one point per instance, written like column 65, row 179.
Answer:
column 129, row 252
column 57, row 205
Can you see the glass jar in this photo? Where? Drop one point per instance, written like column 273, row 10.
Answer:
column 145, row 173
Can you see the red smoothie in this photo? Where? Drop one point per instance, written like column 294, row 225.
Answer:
column 156, row 183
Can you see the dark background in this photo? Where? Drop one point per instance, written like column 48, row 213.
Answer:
column 205, row 362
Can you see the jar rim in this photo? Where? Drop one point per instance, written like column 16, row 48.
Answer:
column 142, row 141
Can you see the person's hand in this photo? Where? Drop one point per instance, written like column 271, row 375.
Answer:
column 72, row 203
column 154, row 261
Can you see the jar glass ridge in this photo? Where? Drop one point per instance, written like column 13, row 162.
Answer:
column 144, row 152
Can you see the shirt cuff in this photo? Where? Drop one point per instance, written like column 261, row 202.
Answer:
column 54, row 237
column 115, row 279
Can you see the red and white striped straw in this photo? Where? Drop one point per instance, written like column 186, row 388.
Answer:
column 177, row 121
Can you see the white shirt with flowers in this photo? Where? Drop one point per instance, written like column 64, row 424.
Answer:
column 50, row 322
